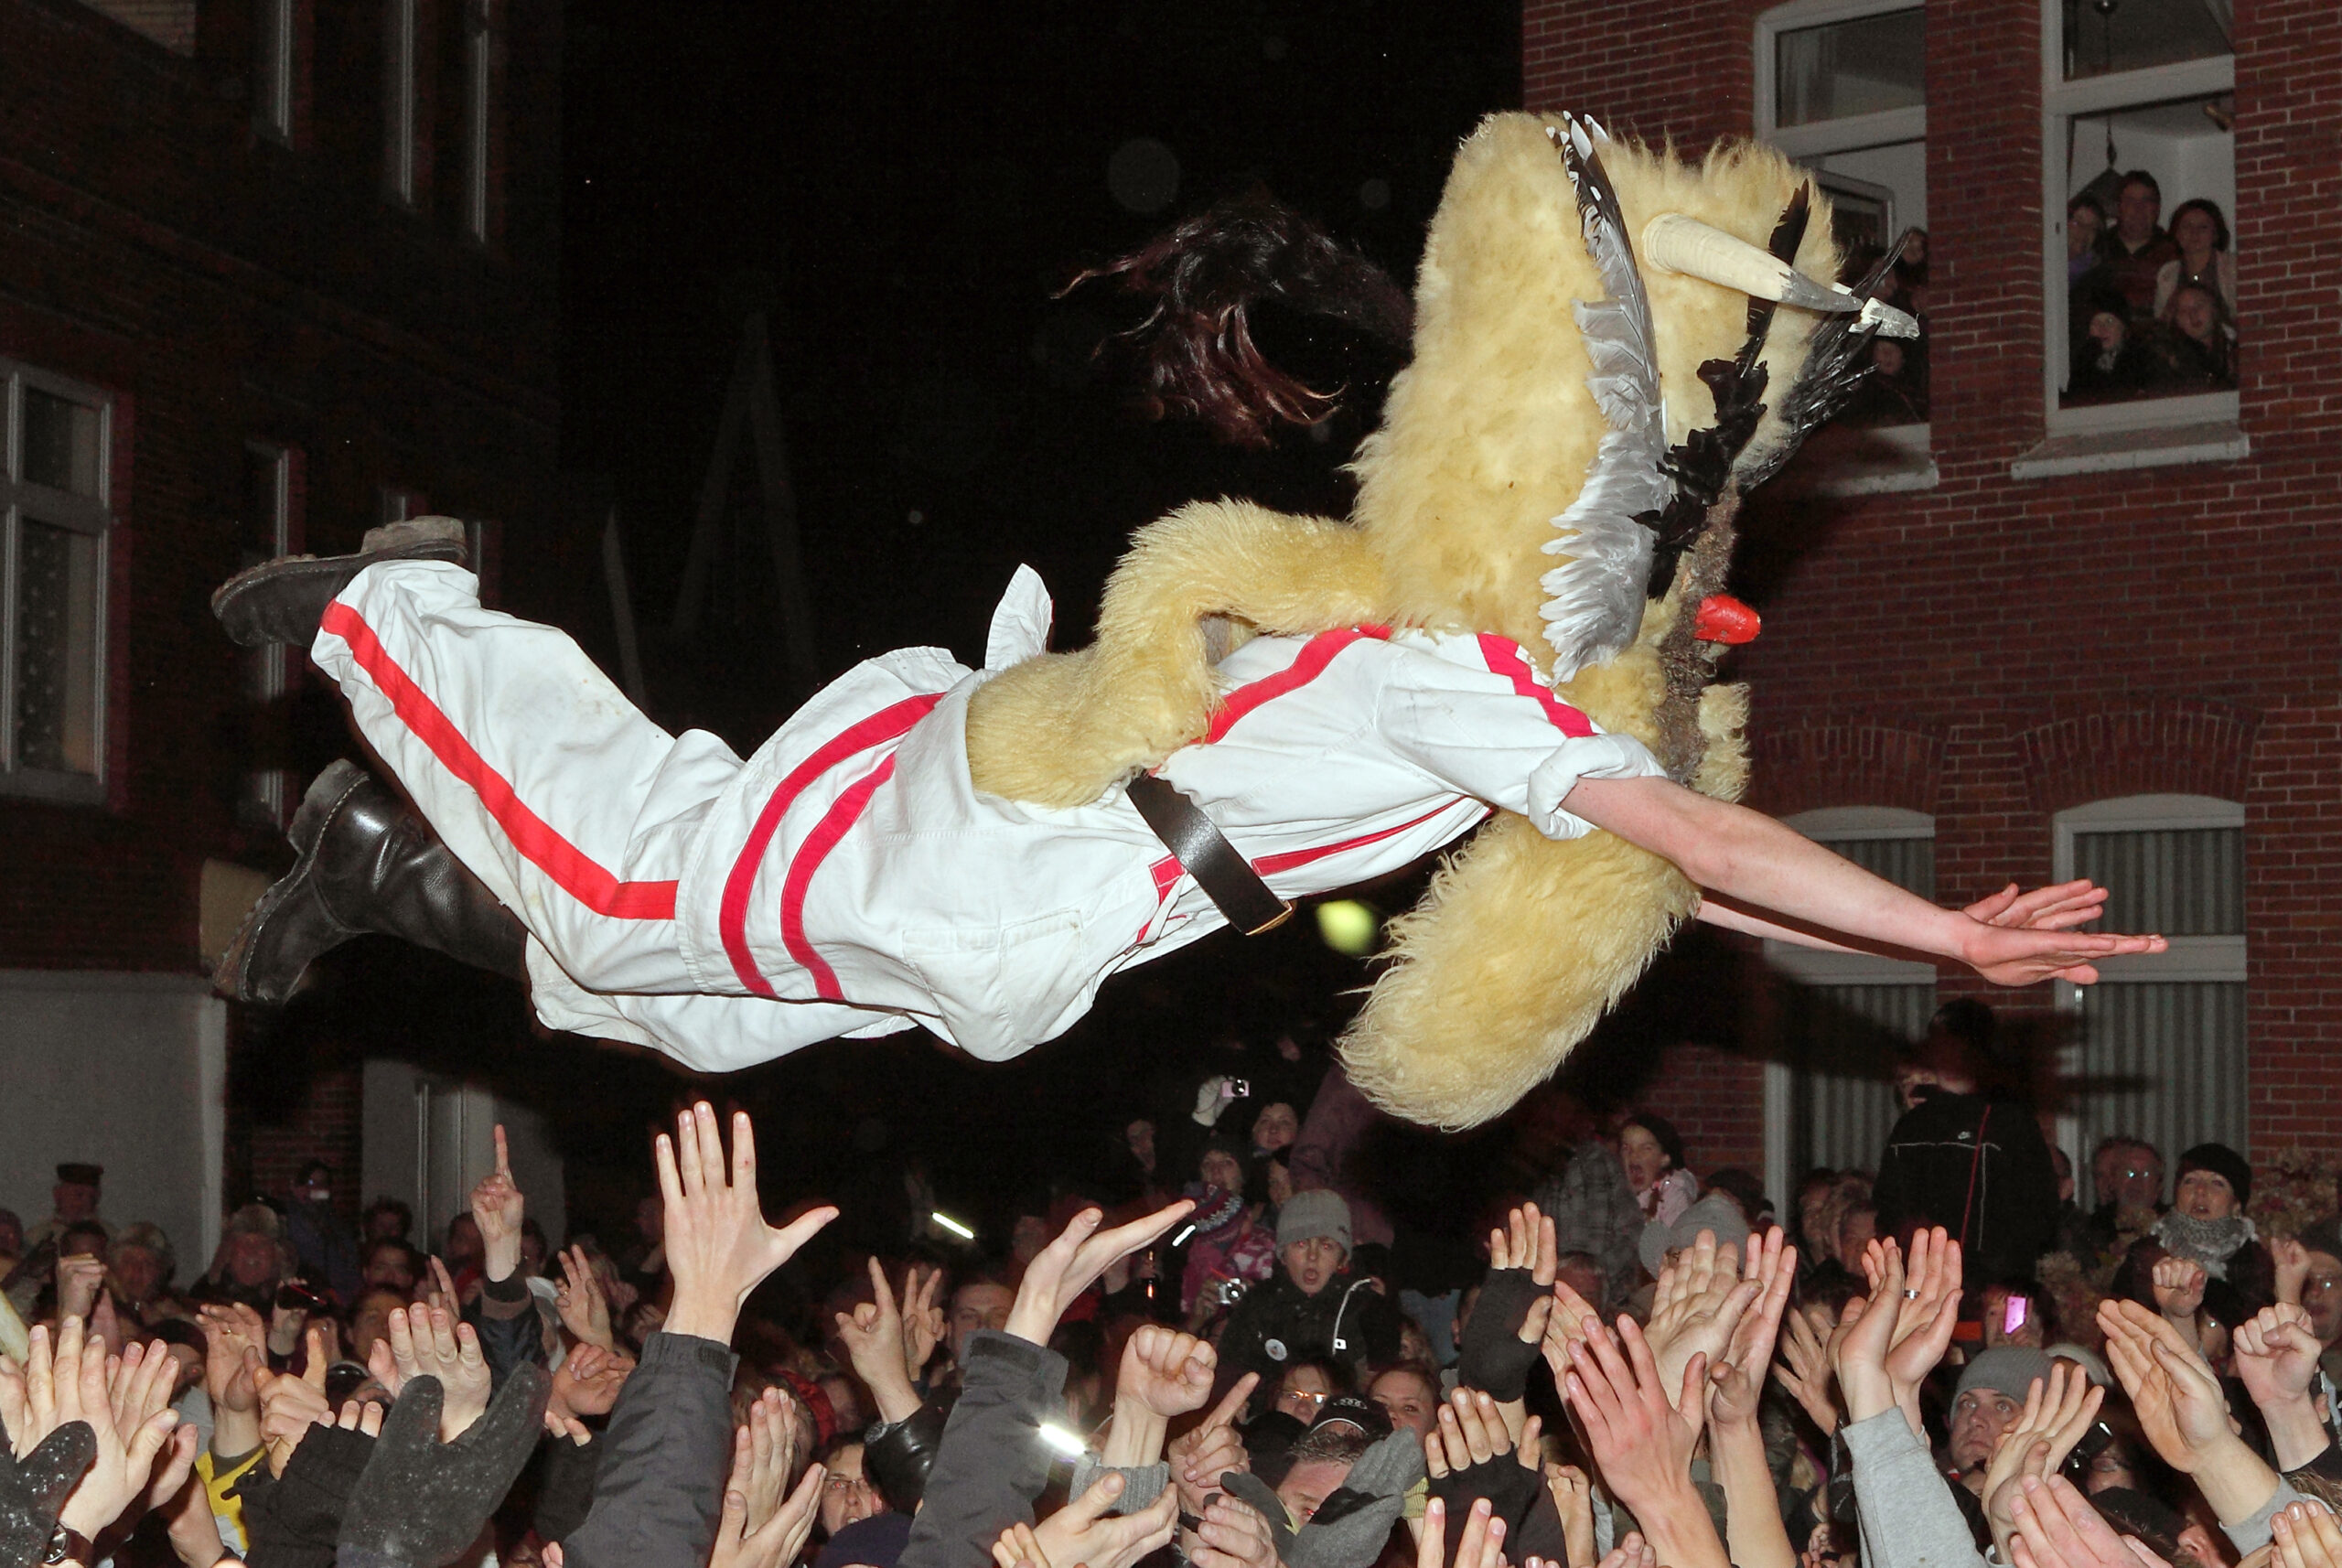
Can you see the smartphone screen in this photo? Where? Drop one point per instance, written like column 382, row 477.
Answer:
column 2014, row 1316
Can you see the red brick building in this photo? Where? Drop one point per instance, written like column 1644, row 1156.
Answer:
column 271, row 271
column 2039, row 634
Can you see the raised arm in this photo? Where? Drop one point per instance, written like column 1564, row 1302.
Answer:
column 1748, row 859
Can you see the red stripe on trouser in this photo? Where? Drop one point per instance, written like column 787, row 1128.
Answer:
column 1495, row 650
column 1270, row 864
column 571, row 869
column 843, row 812
column 732, row 920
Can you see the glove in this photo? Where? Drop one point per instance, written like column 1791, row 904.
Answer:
column 1510, row 1490
column 1351, row 1525
column 1211, row 1098
column 419, row 1501
column 1493, row 1356
column 34, row 1489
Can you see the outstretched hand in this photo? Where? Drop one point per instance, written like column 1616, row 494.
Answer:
column 1071, row 1265
column 2060, row 907
column 718, row 1246
column 2021, row 955
column 498, row 1210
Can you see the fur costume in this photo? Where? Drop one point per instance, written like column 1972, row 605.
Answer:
column 1517, row 486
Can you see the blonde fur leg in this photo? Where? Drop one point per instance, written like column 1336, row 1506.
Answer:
column 1061, row 729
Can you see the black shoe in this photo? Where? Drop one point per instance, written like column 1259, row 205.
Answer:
column 283, row 600
column 369, row 863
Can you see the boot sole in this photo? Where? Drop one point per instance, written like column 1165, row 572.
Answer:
column 326, row 794
column 333, row 571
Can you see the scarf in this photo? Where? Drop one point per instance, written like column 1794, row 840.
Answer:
column 2208, row 1243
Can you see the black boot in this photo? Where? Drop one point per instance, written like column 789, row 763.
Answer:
column 283, row 600
column 369, row 863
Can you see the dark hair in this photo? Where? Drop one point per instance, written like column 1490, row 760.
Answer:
column 387, row 1205
column 82, row 1228
column 314, row 1167
column 1195, row 347
column 1747, row 1192
column 2092, row 202
column 2139, row 176
column 2209, row 208
column 1337, row 1375
column 1339, row 1443
column 1670, row 1141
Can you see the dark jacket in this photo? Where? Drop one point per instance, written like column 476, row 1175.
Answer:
column 658, row 1487
column 2001, row 1202
column 1275, row 1324
column 991, row 1463
column 504, row 1316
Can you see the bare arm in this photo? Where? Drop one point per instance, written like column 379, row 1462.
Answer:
column 1750, row 859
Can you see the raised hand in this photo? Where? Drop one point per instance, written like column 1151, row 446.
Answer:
column 1233, row 1534
column 1931, row 1279
column 2179, row 1285
column 1071, row 1265
column 1632, row 1552
column 873, row 1335
column 578, row 1296
column 47, row 1458
column 2056, row 1528
column 2177, row 1401
column 426, row 1341
column 744, row 1541
column 289, row 1406
column 922, row 1319
column 1804, row 1365
column 1200, row 1456
column 498, row 1209
column 2018, row 956
column 770, row 1436
column 589, row 1381
column 2305, row 1535
column 1168, row 1372
column 1480, row 1546
column 2057, row 907
column 2292, row 1268
column 2276, row 1355
column 1699, row 1303
column 1572, row 1491
column 717, row 1244
column 1642, row 1434
column 1526, row 1241
column 122, row 1465
column 1082, row 1532
column 79, row 1279
column 2055, row 1417
column 1737, row 1381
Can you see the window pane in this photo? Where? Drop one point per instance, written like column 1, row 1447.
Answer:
column 1840, row 1043
column 2186, row 882
column 261, row 536
column 1851, row 68
column 2164, row 1062
column 57, row 648
column 2150, row 299
column 60, row 443
column 2139, row 33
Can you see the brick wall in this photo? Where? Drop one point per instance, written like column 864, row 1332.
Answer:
column 225, row 287
column 1992, row 651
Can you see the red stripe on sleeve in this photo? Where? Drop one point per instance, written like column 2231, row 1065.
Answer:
column 1316, row 654
column 1503, row 657
column 571, row 869
column 732, row 920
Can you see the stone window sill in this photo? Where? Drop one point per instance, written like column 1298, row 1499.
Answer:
column 2106, row 451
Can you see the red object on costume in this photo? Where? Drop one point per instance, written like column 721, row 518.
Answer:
column 1724, row 618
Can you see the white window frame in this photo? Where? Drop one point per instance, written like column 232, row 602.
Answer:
column 2215, row 959
column 1915, row 441
column 1811, row 966
column 92, row 515
column 272, row 788
column 272, row 68
column 479, row 55
column 2060, row 102
column 399, row 55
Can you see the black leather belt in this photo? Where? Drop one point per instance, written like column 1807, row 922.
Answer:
column 1205, row 854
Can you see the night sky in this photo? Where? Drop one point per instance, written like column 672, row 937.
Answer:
column 903, row 185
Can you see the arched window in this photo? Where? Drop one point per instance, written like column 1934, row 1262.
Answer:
column 1828, row 1098
column 2161, row 1049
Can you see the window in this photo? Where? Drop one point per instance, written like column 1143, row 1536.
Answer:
column 265, row 532
column 398, row 100
column 480, row 38
column 2137, row 97
column 1829, row 1099
column 2161, row 1053
column 1841, row 88
column 54, row 520
column 272, row 68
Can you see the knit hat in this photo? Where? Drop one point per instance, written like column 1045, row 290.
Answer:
column 2326, row 1236
column 2221, row 1160
column 1216, row 1210
column 1309, row 1215
column 816, row 1400
column 1715, row 1212
column 2009, row 1369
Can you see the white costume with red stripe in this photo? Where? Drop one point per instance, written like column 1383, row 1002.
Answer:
column 849, row 878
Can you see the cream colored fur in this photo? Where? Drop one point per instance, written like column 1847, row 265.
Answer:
column 1521, row 942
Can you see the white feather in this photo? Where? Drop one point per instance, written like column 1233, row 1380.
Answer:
column 1596, row 597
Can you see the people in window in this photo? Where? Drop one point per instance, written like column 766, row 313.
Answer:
column 2201, row 232
column 2194, row 350
column 2085, row 226
column 2108, row 360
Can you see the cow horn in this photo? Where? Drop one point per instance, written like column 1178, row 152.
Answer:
column 1675, row 244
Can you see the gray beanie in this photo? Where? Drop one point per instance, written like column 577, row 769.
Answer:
column 1309, row 1215
column 2010, row 1369
column 1715, row 1212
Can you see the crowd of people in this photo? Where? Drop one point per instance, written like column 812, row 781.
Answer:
column 2152, row 310
column 1942, row 1358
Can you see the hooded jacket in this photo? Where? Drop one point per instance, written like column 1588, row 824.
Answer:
column 1996, row 1193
